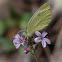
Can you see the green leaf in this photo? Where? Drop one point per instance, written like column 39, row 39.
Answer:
column 39, row 20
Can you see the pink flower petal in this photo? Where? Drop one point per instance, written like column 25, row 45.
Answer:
column 21, row 38
column 17, row 36
column 26, row 50
column 38, row 33
column 44, row 34
column 16, row 43
column 47, row 40
column 24, row 44
column 37, row 39
column 17, row 46
column 43, row 44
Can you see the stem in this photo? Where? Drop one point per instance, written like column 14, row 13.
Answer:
column 35, row 57
column 33, row 54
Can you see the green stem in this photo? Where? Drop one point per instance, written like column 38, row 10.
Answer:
column 33, row 53
column 35, row 56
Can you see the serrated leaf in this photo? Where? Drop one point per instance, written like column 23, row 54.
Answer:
column 39, row 20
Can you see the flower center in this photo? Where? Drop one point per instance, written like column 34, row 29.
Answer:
column 41, row 37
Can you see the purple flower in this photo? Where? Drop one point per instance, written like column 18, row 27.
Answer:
column 19, row 41
column 41, row 38
column 26, row 50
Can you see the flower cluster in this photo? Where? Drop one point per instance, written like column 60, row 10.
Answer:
column 19, row 40
column 41, row 38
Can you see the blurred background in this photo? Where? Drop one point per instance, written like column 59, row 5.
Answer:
column 14, row 16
